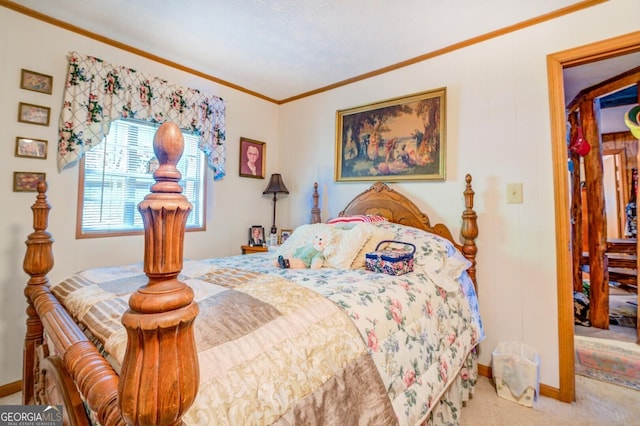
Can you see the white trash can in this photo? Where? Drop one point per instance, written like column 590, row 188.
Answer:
column 516, row 372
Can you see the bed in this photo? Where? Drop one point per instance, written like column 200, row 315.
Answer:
column 239, row 340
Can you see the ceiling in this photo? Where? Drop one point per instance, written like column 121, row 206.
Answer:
column 281, row 49
column 588, row 75
column 591, row 74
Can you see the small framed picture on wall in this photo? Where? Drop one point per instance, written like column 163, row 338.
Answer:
column 27, row 181
column 33, row 114
column 252, row 158
column 35, row 81
column 31, row 148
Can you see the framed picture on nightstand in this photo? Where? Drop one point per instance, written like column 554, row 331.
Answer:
column 284, row 234
column 256, row 236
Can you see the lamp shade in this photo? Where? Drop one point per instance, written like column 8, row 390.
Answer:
column 276, row 185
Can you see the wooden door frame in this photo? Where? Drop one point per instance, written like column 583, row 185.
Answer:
column 555, row 64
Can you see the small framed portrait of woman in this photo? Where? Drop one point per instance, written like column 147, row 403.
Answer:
column 252, row 158
column 256, row 236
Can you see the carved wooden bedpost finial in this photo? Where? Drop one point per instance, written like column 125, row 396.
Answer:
column 315, row 210
column 469, row 230
column 160, row 373
column 38, row 262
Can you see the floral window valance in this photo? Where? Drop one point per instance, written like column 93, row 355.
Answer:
column 98, row 93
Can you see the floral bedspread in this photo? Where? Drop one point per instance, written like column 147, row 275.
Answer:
column 397, row 342
column 418, row 334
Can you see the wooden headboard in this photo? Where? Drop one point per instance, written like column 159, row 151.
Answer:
column 381, row 200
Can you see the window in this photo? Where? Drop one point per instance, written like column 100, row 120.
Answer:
column 117, row 174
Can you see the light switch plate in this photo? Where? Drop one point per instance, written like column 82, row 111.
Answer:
column 514, row 193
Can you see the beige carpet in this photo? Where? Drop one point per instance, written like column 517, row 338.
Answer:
column 597, row 403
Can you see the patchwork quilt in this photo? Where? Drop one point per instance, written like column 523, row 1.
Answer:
column 326, row 346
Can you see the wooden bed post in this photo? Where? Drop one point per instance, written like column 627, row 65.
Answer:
column 469, row 230
column 45, row 379
column 315, row 210
column 160, row 373
column 38, row 262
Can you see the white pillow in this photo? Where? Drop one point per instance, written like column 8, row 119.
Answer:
column 341, row 245
column 345, row 246
column 435, row 256
column 443, row 264
column 376, row 234
column 303, row 235
column 456, row 264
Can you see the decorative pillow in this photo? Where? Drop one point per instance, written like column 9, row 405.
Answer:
column 341, row 247
column 456, row 263
column 347, row 244
column 441, row 256
column 303, row 235
column 376, row 234
column 361, row 218
column 435, row 256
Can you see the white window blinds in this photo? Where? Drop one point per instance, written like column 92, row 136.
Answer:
column 119, row 172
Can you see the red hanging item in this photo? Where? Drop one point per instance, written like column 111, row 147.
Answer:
column 579, row 144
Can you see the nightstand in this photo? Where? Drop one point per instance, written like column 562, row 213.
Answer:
column 254, row 249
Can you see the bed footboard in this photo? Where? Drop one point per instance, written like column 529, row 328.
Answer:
column 74, row 363
column 161, row 351
column 56, row 387
column 159, row 375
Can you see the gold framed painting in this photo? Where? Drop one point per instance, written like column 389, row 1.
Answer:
column 27, row 181
column 31, row 148
column 33, row 114
column 398, row 139
column 35, row 81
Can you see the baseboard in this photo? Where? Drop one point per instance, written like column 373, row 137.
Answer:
column 485, row 371
column 545, row 390
column 10, row 388
column 549, row 391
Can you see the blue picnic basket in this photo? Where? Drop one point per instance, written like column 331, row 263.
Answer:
column 392, row 261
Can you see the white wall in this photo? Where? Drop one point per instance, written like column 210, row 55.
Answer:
column 234, row 203
column 498, row 129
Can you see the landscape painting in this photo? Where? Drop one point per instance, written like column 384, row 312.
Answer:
column 393, row 140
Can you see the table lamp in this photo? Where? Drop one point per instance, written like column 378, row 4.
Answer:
column 275, row 186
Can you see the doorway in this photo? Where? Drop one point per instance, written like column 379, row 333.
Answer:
column 615, row 197
column 555, row 64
